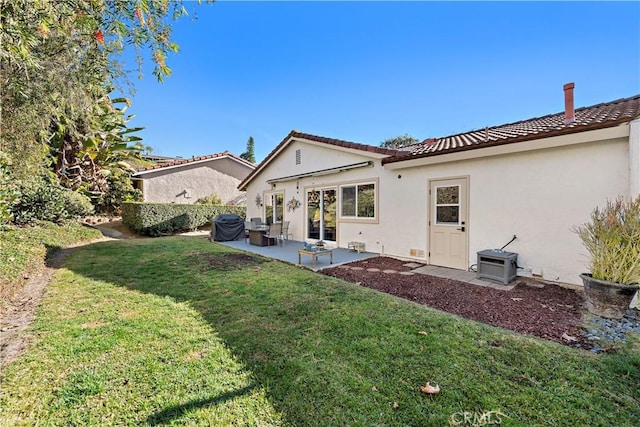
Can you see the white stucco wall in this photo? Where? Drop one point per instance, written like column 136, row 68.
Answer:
column 537, row 195
column 189, row 182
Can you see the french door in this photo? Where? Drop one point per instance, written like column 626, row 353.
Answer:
column 321, row 214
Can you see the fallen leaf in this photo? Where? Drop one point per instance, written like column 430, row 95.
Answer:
column 430, row 389
column 395, row 405
column 569, row 338
column 423, row 333
column 374, row 388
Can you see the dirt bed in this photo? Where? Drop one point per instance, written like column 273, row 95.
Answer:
column 544, row 310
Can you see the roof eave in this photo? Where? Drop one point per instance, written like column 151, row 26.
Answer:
column 524, row 138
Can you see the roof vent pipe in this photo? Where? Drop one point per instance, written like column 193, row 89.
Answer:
column 569, row 114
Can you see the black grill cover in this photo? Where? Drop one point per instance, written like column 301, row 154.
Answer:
column 227, row 227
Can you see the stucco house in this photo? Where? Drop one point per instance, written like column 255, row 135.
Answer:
column 445, row 199
column 187, row 180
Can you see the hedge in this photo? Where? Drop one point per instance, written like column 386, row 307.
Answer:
column 155, row 219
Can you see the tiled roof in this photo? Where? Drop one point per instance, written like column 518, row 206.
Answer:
column 179, row 162
column 321, row 139
column 341, row 143
column 587, row 118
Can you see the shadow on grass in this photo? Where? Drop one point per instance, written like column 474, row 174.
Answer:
column 171, row 413
column 334, row 354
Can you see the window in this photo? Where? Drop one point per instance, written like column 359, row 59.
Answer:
column 448, row 205
column 273, row 207
column 358, row 201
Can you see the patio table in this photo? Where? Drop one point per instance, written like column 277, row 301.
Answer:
column 256, row 235
column 315, row 254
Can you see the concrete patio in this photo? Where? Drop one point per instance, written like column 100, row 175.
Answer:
column 288, row 252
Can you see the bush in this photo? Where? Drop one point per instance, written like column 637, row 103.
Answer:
column 8, row 191
column 612, row 237
column 213, row 199
column 120, row 190
column 154, row 219
column 77, row 205
column 43, row 200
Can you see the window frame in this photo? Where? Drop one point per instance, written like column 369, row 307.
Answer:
column 355, row 185
column 272, row 195
column 436, row 205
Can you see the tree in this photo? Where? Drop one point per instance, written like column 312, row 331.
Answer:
column 249, row 154
column 60, row 61
column 59, row 57
column 399, row 141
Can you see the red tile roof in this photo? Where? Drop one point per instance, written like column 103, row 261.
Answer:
column 321, row 139
column 587, row 118
column 179, row 162
column 598, row 116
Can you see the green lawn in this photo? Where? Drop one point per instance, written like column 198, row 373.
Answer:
column 182, row 331
column 23, row 251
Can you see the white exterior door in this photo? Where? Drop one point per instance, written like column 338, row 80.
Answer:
column 448, row 223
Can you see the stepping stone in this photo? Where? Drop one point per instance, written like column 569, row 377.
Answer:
column 389, row 271
column 373, row 269
column 407, row 273
column 412, row 265
column 344, row 267
column 534, row 284
column 357, row 268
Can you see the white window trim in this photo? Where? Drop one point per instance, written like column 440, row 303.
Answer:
column 269, row 194
column 436, row 205
column 356, row 218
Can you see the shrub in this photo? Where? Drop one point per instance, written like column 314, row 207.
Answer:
column 42, row 200
column 612, row 237
column 120, row 190
column 213, row 199
column 8, row 191
column 77, row 205
column 154, row 219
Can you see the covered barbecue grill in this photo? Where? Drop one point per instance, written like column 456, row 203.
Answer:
column 227, row 227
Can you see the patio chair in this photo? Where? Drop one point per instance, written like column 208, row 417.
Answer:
column 247, row 226
column 274, row 232
column 285, row 232
column 256, row 221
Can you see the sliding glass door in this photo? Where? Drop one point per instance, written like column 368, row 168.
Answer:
column 321, row 214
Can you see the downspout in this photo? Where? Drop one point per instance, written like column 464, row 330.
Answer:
column 634, row 158
column 634, row 172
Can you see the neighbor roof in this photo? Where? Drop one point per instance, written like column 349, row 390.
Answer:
column 181, row 162
column 598, row 116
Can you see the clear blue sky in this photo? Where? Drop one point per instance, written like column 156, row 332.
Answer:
column 368, row 71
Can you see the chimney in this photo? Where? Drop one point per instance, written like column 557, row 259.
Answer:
column 569, row 114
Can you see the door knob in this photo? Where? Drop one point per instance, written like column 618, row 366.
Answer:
column 460, row 229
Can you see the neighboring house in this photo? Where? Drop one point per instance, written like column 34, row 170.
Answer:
column 187, row 180
column 445, row 199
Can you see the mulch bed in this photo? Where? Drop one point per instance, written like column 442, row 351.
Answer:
column 540, row 309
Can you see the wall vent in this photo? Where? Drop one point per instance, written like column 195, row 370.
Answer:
column 416, row 252
column 497, row 265
column 298, row 157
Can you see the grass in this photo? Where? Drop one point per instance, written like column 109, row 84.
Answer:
column 178, row 331
column 23, row 250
